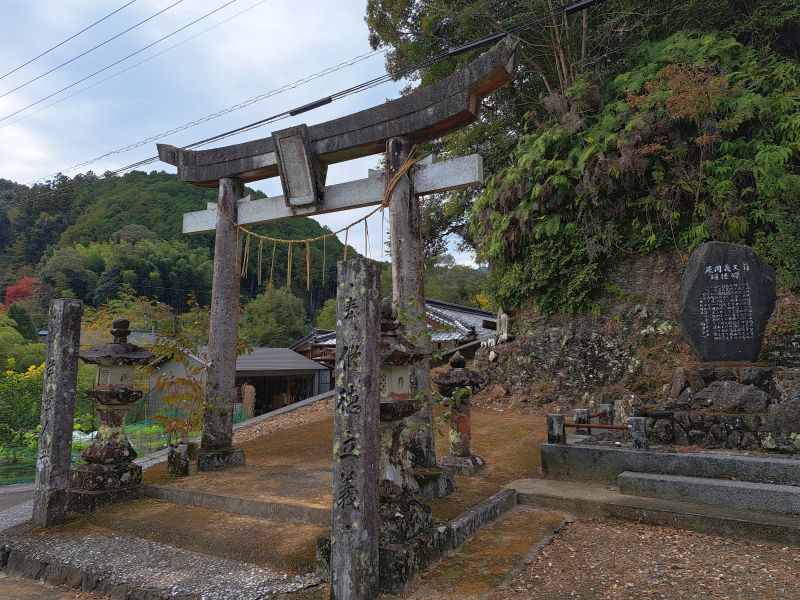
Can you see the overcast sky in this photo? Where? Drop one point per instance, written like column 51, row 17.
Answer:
column 274, row 43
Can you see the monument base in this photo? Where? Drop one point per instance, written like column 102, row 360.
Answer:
column 217, row 460
column 403, row 518
column 399, row 563
column 463, row 465
column 93, row 486
column 434, row 482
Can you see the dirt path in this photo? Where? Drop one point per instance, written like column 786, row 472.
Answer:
column 608, row 560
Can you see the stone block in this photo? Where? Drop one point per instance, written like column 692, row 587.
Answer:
column 402, row 519
column 218, row 460
column 762, row 497
column 463, row 465
column 5, row 551
column 728, row 295
column 105, row 478
column 732, row 397
column 119, row 592
column 89, row 582
column 434, row 482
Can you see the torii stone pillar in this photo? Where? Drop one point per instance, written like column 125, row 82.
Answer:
column 50, row 496
column 408, row 292
column 216, row 450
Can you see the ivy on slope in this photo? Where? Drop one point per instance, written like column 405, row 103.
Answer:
column 700, row 141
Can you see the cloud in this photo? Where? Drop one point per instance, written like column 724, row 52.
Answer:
column 273, row 44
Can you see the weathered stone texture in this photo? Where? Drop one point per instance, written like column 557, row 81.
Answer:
column 222, row 336
column 356, row 451
column 58, row 411
column 728, row 295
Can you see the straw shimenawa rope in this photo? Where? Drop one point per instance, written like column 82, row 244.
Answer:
column 248, row 234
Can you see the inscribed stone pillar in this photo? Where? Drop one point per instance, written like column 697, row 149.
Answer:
column 408, row 293
column 58, row 411
column 356, row 452
column 222, row 336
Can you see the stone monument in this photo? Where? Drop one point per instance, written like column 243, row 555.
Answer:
column 110, row 474
column 727, row 297
column 449, row 383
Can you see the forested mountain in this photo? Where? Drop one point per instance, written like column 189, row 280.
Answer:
column 85, row 237
column 633, row 127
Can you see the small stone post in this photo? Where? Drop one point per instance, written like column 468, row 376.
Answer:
column 637, row 433
column 216, row 450
column 581, row 416
column 356, row 452
column 50, row 496
column 452, row 383
column 408, row 291
column 607, row 418
column 555, row 429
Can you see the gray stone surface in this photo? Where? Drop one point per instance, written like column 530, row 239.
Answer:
column 731, row 397
column 426, row 114
column 588, row 500
column 146, row 569
column 762, row 497
column 224, row 320
column 727, row 296
column 58, row 410
column 356, row 436
column 281, row 511
column 556, row 433
column 408, row 294
column 600, row 464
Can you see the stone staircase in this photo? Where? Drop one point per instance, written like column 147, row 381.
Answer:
column 727, row 493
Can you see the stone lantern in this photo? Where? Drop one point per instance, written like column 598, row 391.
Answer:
column 110, row 475
column 403, row 514
column 448, row 383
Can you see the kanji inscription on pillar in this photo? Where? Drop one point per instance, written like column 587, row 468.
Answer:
column 727, row 297
column 356, row 455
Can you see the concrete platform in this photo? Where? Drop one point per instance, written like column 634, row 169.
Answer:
column 594, row 463
column 592, row 500
column 764, row 497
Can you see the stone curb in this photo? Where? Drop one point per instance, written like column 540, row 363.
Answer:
column 599, row 464
column 242, row 506
column 469, row 522
column 18, row 564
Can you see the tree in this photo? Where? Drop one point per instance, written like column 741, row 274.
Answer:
column 22, row 288
column 20, row 407
column 10, row 338
column 276, row 318
column 23, row 321
column 326, row 319
column 133, row 233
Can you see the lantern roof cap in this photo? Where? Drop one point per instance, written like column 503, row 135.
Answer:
column 119, row 351
column 396, row 348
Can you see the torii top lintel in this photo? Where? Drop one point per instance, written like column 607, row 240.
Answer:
column 423, row 115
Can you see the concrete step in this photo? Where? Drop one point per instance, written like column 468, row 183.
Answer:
column 593, row 500
column 240, row 505
column 594, row 463
column 764, row 497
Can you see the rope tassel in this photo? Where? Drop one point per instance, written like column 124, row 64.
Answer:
column 289, row 267
column 308, row 266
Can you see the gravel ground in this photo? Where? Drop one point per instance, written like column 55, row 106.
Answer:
column 147, row 564
column 600, row 559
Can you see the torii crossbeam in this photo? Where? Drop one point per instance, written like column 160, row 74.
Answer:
column 300, row 156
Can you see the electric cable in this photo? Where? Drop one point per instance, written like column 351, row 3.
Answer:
column 100, row 45
column 359, row 87
column 115, row 63
column 49, row 50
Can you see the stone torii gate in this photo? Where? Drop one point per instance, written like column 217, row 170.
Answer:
column 300, row 156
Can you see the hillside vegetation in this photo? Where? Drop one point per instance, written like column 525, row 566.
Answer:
column 633, row 128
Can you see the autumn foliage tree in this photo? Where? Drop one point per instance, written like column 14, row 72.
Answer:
column 19, row 290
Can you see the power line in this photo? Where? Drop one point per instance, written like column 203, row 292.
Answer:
column 133, row 66
column 115, row 63
column 285, row 88
column 569, row 9
column 101, row 44
column 87, row 28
